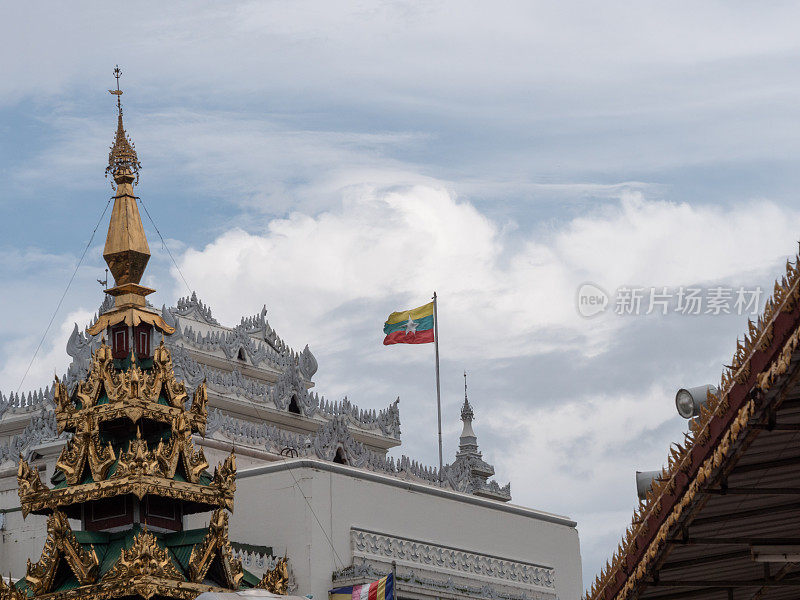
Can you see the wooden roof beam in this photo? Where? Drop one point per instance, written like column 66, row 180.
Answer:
column 705, row 592
column 749, row 491
column 768, row 464
column 783, row 572
column 777, row 426
column 707, row 559
column 725, row 583
column 743, row 514
column 737, row 541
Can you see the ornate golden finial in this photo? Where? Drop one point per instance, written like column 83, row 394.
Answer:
column 126, row 251
column 123, row 163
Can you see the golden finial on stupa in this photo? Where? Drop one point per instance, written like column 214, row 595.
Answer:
column 126, row 250
column 123, row 163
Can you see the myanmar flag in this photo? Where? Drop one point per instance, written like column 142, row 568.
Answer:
column 413, row 326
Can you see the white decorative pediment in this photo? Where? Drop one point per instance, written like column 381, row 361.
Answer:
column 426, row 569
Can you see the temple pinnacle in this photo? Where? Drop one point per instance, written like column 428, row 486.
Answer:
column 466, row 411
column 126, row 251
column 123, row 163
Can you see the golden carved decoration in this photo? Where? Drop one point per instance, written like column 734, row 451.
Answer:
column 131, row 316
column 276, row 580
column 29, row 483
column 225, row 478
column 139, row 485
column 144, row 558
column 132, row 393
column 199, row 409
column 139, row 471
column 137, row 461
column 85, row 446
column 10, row 592
column 180, row 446
column 73, row 458
column 61, row 543
column 216, row 543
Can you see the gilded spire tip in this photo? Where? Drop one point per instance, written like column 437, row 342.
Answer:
column 123, row 163
column 466, row 409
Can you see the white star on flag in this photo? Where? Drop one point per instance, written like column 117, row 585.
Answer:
column 411, row 326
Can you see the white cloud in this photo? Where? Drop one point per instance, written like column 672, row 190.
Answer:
column 575, row 453
column 51, row 359
column 392, row 248
column 390, row 46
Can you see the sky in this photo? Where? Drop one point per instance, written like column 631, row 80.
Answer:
column 337, row 161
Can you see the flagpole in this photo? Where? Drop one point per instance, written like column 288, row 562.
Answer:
column 438, row 386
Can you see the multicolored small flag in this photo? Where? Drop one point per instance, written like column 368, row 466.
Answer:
column 413, row 326
column 383, row 589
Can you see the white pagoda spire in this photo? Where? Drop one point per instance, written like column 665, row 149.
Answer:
column 468, row 441
column 469, row 468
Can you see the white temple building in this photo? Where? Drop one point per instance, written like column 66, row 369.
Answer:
column 314, row 479
column 315, row 482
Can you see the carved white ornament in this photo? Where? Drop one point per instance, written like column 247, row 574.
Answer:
column 531, row 581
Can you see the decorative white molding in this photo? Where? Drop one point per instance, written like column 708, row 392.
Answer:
column 445, row 560
column 41, row 429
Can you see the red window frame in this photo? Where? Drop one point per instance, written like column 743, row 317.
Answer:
column 143, row 336
column 108, row 513
column 119, row 342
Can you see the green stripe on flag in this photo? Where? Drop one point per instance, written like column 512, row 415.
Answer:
column 423, row 324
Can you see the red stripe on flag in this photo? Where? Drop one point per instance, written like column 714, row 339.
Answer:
column 373, row 591
column 401, row 337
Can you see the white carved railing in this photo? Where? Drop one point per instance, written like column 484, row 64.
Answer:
column 422, row 557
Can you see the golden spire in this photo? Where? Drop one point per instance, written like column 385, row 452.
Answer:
column 126, row 250
column 122, row 159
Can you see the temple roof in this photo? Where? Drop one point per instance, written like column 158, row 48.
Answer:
column 102, row 461
column 84, row 562
column 722, row 518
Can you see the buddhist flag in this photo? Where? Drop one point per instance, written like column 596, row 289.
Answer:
column 383, row 589
column 413, row 326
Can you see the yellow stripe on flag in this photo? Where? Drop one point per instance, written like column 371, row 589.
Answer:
column 426, row 310
column 340, row 596
column 381, row 589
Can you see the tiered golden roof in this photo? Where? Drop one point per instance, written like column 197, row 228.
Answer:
column 92, row 469
column 131, row 439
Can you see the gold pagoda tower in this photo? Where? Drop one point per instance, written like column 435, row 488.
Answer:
column 130, row 471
